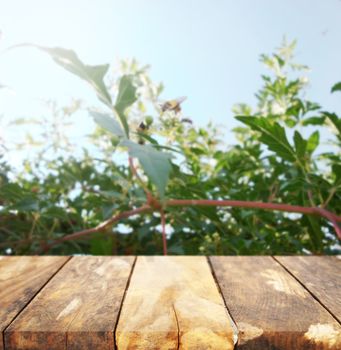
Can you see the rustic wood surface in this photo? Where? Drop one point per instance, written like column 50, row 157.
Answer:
column 321, row 275
column 277, row 303
column 173, row 303
column 20, row 279
column 271, row 309
column 77, row 309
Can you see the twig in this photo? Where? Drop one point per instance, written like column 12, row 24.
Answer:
column 35, row 219
column 311, row 198
column 247, row 204
column 154, row 205
column 273, row 192
column 163, row 225
column 135, row 173
column 333, row 218
column 98, row 228
column 331, row 195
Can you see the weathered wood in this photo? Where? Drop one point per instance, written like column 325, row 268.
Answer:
column 271, row 309
column 20, row 279
column 173, row 303
column 77, row 309
column 321, row 275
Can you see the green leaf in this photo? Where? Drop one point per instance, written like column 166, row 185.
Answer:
column 337, row 173
column 108, row 210
column 125, row 98
column 300, row 145
column 315, row 232
column 26, row 204
column 11, row 192
column 335, row 120
column 156, row 164
column 336, row 87
column 101, row 245
column 108, row 123
column 147, row 137
column 314, row 121
column 313, row 141
column 94, row 75
column 290, row 123
column 272, row 134
column 311, row 106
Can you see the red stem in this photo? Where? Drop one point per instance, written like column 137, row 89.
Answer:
column 155, row 205
column 333, row 218
column 99, row 227
column 164, row 238
column 135, row 173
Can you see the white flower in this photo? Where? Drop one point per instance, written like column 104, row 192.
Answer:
column 276, row 108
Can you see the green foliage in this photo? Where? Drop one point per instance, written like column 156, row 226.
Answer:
column 126, row 97
column 279, row 156
column 94, row 75
column 336, row 121
column 273, row 135
column 155, row 164
column 336, row 87
column 108, row 123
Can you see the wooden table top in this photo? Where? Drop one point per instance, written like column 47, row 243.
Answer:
column 174, row 302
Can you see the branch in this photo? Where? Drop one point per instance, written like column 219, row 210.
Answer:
column 135, row 173
column 154, row 205
column 164, row 238
column 98, row 228
column 333, row 218
column 331, row 195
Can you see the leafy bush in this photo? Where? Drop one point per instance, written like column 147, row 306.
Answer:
column 278, row 158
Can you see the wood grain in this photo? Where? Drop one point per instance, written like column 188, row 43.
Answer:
column 20, row 279
column 173, row 303
column 78, row 309
column 321, row 275
column 271, row 309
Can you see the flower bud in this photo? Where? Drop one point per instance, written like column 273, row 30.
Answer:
column 149, row 120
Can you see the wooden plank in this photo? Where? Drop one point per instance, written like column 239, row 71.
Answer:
column 173, row 303
column 78, row 309
column 20, row 279
column 271, row 309
column 321, row 275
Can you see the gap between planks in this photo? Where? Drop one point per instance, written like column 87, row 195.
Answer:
column 77, row 309
column 123, row 299
column 173, row 303
column 29, row 289
column 287, row 269
column 271, row 309
column 233, row 323
column 36, row 293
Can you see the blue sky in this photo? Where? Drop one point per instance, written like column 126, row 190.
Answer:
column 207, row 50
